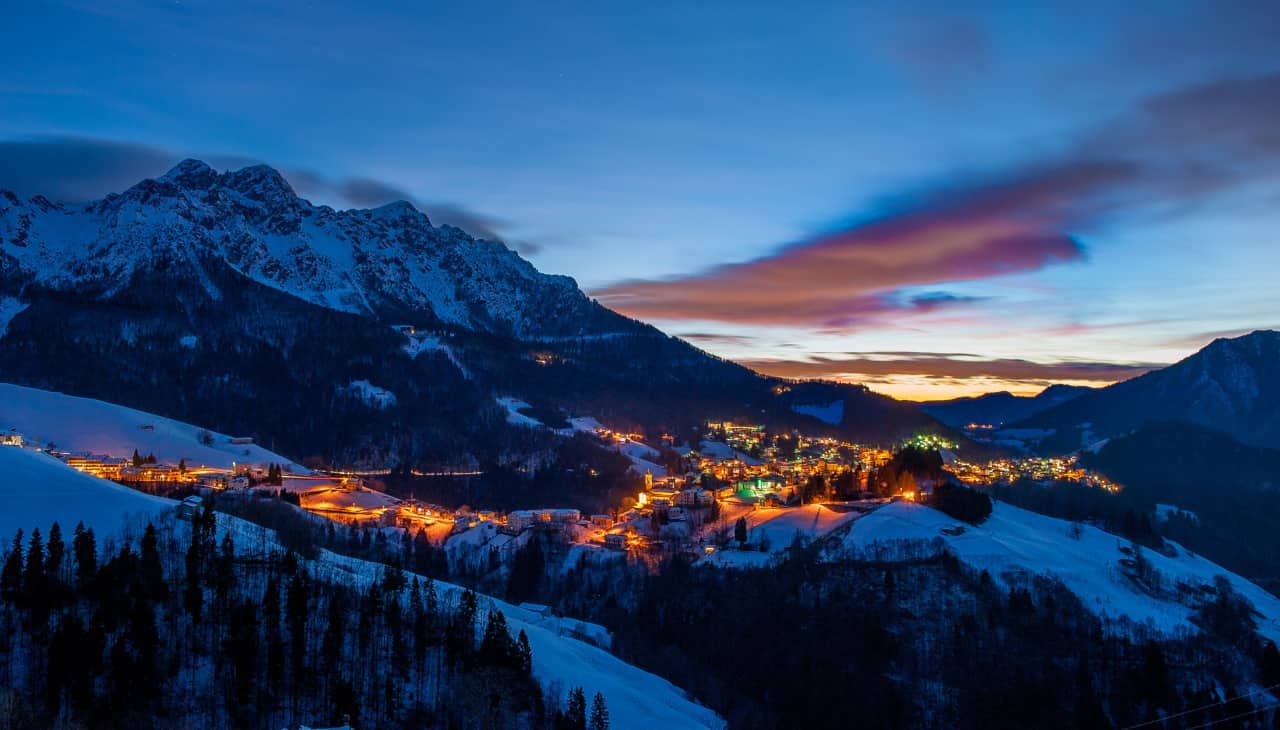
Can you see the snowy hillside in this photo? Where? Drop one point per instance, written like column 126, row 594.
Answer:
column 1015, row 541
column 84, row 424
column 637, row 700
column 381, row 261
column 775, row 530
column 38, row 490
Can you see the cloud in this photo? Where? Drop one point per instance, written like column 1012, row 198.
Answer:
column 80, row 169
column 870, row 366
column 717, row 338
column 1175, row 150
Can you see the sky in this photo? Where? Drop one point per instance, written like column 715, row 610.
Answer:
column 934, row 199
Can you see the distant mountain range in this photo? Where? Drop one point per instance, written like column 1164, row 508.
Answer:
column 996, row 409
column 1231, row 385
column 363, row 337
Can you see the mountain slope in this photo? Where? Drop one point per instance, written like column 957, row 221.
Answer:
column 1013, row 542
column 1231, row 490
column 388, row 261
column 38, row 490
column 1231, row 385
column 999, row 408
column 365, row 337
column 84, row 424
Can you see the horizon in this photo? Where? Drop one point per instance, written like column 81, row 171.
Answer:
column 939, row 203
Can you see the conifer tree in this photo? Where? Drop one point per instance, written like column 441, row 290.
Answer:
column 524, row 654
column 85, row 548
column 599, row 713
column 11, row 575
column 55, row 555
column 576, row 713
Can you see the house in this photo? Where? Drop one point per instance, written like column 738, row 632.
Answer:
column 536, row 608
column 240, row 440
column 10, row 438
column 677, row 514
column 615, row 542
column 603, row 522
column 190, row 507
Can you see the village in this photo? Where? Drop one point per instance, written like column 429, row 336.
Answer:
column 739, row 489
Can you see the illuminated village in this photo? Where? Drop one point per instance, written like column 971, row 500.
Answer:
column 736, row 472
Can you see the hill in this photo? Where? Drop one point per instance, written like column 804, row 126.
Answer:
column 75, row 424
column 996, row 409
column 1230, row 490
column 1231, row 385
column 1014, row 544
column 38, row 490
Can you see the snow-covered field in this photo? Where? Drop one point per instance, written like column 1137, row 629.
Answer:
column 777, row 528
column 832, row 413
column 38, row 490
column 721, row 451
column 513, row 407
column 84, row 424
column 1016, row 541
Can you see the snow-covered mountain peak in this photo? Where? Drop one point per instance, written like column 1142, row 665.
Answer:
column 390, row 260
column 191, row 173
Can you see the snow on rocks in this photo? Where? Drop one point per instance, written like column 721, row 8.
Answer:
column 9, row 308
column 372, row 395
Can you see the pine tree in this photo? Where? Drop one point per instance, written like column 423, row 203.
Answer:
column 496, row 648
column 55, row 555
column 136, row 461
column 85, row 548
column 740, row 530
column 1269, row 667
column 152, row 570
column 524, row 654
column 599, row 713
column 576, row 714
column 11, row 575
column 33, row 576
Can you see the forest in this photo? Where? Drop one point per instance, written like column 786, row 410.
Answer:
column 172, row 627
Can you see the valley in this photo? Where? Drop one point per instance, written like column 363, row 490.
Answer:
column 357, row 467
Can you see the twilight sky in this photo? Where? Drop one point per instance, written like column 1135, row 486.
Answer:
column 943, row 200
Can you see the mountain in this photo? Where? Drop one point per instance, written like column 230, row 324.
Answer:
column 1231, row 385
column 385, row 262
column 1229, row 490
column 996, row 409
column 362, row 337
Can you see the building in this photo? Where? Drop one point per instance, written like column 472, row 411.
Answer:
column 603, row 522
column 615, row 542
column 190, row 507
column 521, row 519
